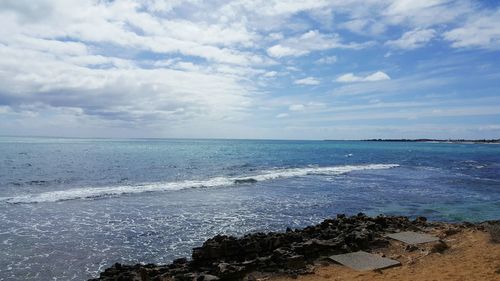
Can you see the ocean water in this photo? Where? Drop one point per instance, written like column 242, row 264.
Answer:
column 71, row 207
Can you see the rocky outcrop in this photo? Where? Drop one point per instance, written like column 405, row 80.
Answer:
column 292, row 252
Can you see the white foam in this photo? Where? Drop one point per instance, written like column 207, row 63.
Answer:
column 96, row 192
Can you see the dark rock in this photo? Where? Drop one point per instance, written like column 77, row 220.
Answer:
column 377, row 243
column 228, row 271
column 493, row 228
column 185, row 277
column 411, row 248
column 468, row 224
column 292, row 252
column 420, row 221
column 250, row 277
column 207, row 277
column 439, row 247
column 180, row 261
column 295, row 262
column 242, row 181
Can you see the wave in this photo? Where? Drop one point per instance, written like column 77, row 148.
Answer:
column 110, row 191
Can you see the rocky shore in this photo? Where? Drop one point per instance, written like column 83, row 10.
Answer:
column 293, row 252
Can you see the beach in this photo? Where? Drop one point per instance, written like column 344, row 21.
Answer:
column 471, row 256
column 460, row 252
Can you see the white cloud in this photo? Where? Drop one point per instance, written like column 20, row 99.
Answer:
column 377, row 76
column 482, row 31
column 292, row 68
column 364, row 26
column 120, row 93
column 122, row 23
column 350, row 77
column 424, row 13
column 413, row 39
column 309, row 106
column 279, row 51
column 270, row 74
column 282, row 115
column 296, row 107
column 310, row 41
column 415, row 83
column 307, row 81
column 276, row 36
column 187, row 66
column 327, row 60
column 163, row 63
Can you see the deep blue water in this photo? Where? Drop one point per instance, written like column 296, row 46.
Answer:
column 71, row 207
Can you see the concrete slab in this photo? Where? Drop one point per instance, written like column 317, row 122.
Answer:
column 410, row 237
column 364, row 261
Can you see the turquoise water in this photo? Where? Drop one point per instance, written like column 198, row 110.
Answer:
column 71, row 207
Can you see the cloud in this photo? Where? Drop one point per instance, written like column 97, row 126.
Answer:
column 292, row 68
column 279, row 51
column 169, row 64
column 307, row 81
column 412, row 39
column 364, row 26
column 282, row 115
column 270, row 74
column 424, row 13
column 310, row 41
column 327, row 60
column 125, row 93
column 309, row 106
column 350, row 77
column 424, row 82
column 481, row 31
column 122, row 23
column 296, row 107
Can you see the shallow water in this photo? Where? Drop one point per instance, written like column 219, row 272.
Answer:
column 71, row 207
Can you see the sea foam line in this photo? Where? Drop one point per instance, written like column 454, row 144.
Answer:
column 97, row 192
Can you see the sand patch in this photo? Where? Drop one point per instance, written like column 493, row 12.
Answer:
column 471, row 256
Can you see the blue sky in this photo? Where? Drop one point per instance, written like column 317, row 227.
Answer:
column 347, row 69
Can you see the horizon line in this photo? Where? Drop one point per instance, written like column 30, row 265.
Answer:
column 261, row 139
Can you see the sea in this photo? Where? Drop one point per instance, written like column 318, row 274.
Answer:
column 71, row 207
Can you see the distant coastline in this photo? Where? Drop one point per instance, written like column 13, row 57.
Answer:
column 481, row 141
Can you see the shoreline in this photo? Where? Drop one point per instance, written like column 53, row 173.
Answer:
column 293, row 253
column 471, row 255
column 452, row 141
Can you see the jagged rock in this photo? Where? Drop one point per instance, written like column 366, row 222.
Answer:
column 295, row 262
column 421, row 221
column 292, row 252
column 180, row 261
column 207, row 277
column 241, row 181
column 228, row 271
column 186, row 277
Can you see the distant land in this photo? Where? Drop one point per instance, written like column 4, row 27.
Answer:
column 439, row 140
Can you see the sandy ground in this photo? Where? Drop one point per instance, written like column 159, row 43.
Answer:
column 471, row 256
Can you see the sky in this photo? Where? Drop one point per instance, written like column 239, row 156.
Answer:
column 338, row 69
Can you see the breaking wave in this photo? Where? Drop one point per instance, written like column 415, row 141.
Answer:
column 98, row 192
